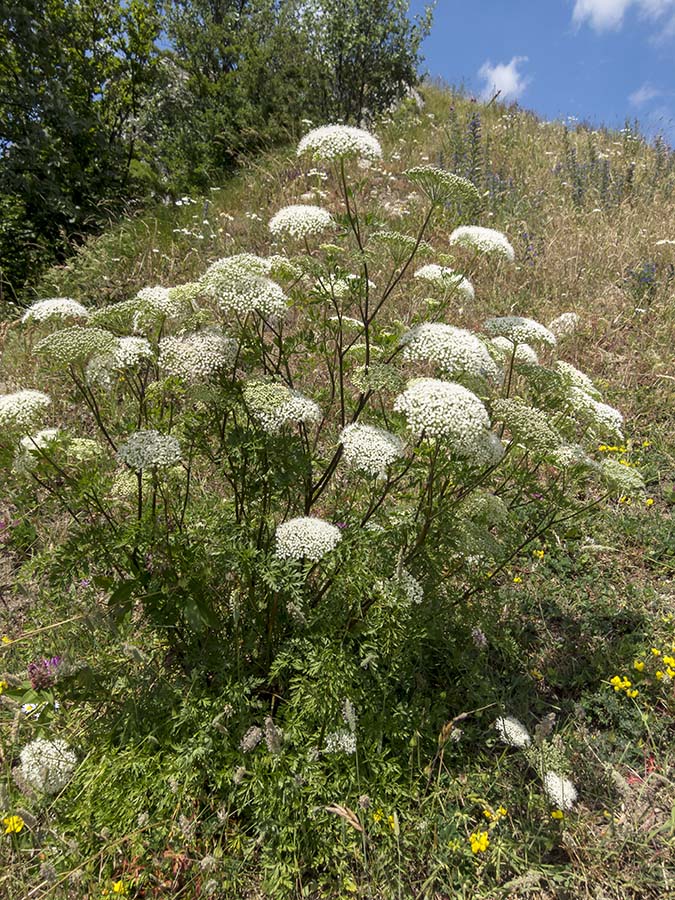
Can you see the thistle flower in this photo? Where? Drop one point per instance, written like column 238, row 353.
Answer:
column 149, row 450
column 76, row 345
column 560, row 791
column 197, row 356
column 333, row 142
column 484, row 240
column 47, row 766
column 22, row 409
column 564, row 324
column 370, row 449
column 54, row 308
column 448, row 279
column 300, row 221
column 512, row 732
column 520, row 330
column 444, row 187
column 454, row 350
column 306, row 537
column 446, row 410
column 274, row 405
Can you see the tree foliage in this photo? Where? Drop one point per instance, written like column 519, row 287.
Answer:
column 103, row 101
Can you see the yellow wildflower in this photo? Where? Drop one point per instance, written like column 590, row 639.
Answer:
column 479, row 841
column 646, row 443
column 3, row 686
column 6, row 640
column 670, row 672
column 501, row 810
column 649, row 501
column 378, row 815
column 632, row 693
column 638, row 665
column 517, row 579
column 656, row 651
column 669, row 660
column 538, row 553
column 13, row 824
column 119, row 887
column 557, row 814
column 659, row 675
column 391, row 821
column 488, row 814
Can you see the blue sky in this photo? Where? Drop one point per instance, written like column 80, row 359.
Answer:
column 599, row 60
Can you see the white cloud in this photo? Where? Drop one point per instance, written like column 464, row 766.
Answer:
column 503, row 78
column 644, row 94
column 604, row 15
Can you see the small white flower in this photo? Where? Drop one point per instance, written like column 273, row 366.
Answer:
column 604, row 418
column 47, row 766
column 454, row 350
column 524, row 353
column 22, row 409
column 520, row 330
column 513, row 732
column 300, row 221
column 306, row 537
column 196, row 356
column 341, row 741
column 448, row 279
column 150, row 450
column 274, row 405
column 560, row 791
column 331, row 142
column 370, row 449
column 485, row 240
column 564, row 324
column 54, row 308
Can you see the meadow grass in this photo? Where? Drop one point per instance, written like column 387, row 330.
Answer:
column 585, row 211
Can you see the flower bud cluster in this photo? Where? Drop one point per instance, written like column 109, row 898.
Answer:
column 275, row 405
column 76, row 345
column 149, row 450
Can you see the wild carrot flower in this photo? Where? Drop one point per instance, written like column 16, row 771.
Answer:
column 484, row 240
column 513, row 732
column 560, row 791
column 333, row 142
column 300, row 221
column 306, row 537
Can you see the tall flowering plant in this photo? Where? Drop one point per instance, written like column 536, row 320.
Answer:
column 285, row 457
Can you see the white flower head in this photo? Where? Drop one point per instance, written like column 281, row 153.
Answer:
column 239, row 284
column 520, row 330
column 446, row 410
column 484, row 240
column 332, row 142
column 524, row 353
column 275, row 405
column 576, row 378
column 54, row 308
column 605, row 419
column 76, row 345
column 564, row 324
column 454, row 350
column 370, row 449
column 300, row 221
column 306, row 537
column 150, row 450
column 560, row 791
column 47, row 766
column 21, row 410
column 513, row 732
column 127, row 353
column 341, row 741
column 448, row 279
column 31, row 446
column 197, row 356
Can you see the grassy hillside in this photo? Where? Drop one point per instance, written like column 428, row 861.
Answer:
column 164, row 802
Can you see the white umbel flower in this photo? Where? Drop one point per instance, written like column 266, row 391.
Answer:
column 275, row 405
column 150, row 450
column 454, row 350
column 55, row 308
column 520, row 330
column 484, row 240
column 524, row 353
column 239, row 284
column 564, row 324
column 22, row 409
column 448, row 279
column 126, row 353
column 576, row 378
column 306, row 537
column 197, row 356
column 446, row 410
column 512, row 732
column 76, row 345
column 341, row 741
column 605, row 419
column 47, row 766
column 159, row 300
column 370, row 449
column 300, row 221
column 332, row 142
column 30, row 446
column 560, row 791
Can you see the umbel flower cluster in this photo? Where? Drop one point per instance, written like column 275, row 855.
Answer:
column 47, row 766
column 299, row 221
column 150, row 450
column 446, row 278
column 55, row 308
column 334, row 142
column 306, row 537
